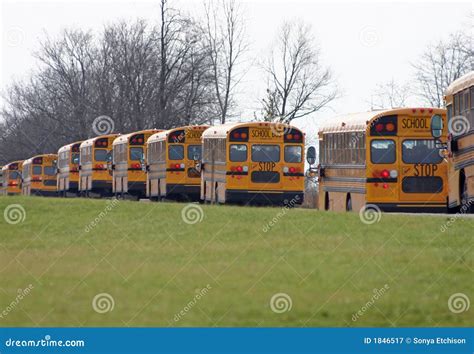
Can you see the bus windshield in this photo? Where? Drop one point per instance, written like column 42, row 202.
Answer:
column 265, row 153
column 194, row 152
column 101, row 155
column 49, row 170
column 420, row 151
column 136, row 153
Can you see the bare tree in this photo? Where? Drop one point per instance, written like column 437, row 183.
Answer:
column 225, row 35
column 390, row 94
column 298, row 80
column 441, row 64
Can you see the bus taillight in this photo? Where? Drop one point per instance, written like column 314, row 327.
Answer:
column 99, row 166
column 293, row 136
column 102, row 142
column 384, row 126
column 384, row 174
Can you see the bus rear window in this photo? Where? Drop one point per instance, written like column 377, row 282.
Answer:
column 238, row 153
column 136, row 153
column 49, row 170
column 176, row 152
column 265, row 153
column 420, row 151
column 292, row 154
column 194, row 152
column 14, row 175
column 75, row 158
column 37, row 170
column 100, row 155
column 382, row 151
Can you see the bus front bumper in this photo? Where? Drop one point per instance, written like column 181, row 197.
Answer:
column 190, row 191
column 289, row 198
column 42, row 193
column 412, row 207
column 137, row 188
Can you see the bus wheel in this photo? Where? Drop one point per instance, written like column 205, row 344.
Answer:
column 466, row 205
column 326, row 201
column 348, row 203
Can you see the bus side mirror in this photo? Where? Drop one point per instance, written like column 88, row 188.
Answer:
column 436, row 125
column 311, row 155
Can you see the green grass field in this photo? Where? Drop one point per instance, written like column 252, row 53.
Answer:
column 225, row 269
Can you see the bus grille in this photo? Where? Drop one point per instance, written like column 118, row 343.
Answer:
column 422, row 184
column 265, row 177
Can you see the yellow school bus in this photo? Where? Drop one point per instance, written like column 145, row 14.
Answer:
column 383, row 159
column 459, row 99
column 172, row 164
column 39, row 175
column 253, row 163
column 68, row 169
column 129, row 152
column 11, row 178
column 95, row 178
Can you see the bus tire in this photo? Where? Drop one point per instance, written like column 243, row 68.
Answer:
column 465, row 205
column 326, row 201
column 348, row 202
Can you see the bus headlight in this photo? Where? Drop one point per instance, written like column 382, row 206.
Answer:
column 245, row 168
column 393, row 173
column 285, row 169
column 182, row 165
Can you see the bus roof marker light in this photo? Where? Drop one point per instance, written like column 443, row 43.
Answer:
column 378, row 127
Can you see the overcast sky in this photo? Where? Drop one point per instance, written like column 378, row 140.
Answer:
column 364, row 43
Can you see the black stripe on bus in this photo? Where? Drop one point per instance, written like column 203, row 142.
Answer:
column 464, row 164
column 381, row 180
column 235, row 173
column 295, row 174
column 175, row 169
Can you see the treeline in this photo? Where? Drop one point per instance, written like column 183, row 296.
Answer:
column 142, row 75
